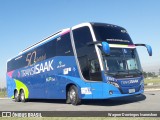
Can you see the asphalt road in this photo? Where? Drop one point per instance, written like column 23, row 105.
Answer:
column 150, row 101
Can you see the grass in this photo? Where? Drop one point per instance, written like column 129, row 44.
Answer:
column 83, row 118
column 2, row 94
column 152, row 80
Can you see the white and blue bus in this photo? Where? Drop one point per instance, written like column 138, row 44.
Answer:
column 86, row 61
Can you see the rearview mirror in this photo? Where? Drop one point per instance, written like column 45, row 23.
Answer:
column 149, row 48
column 106, row 48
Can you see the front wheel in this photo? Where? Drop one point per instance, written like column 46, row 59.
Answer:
column 73, row 95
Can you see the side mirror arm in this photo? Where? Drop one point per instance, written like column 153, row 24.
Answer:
column 105, row 46
column 93, row 43
column 149, row 49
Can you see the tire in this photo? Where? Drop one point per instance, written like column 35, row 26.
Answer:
column 22, row 96
column 16, row 96
column 68, row 100
column 73, row 95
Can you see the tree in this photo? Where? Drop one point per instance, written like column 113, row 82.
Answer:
column 145, row 74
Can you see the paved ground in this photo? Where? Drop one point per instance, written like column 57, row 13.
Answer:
column 147, row 102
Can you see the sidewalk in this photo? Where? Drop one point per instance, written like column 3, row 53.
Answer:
column 151, row 87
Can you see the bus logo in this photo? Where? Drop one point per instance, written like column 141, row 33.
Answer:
column 61, row 65
column 129, row 82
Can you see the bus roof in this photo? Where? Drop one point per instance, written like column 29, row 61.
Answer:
column 57, row 34
column 61, row 32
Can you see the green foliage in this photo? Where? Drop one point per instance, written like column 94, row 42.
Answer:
column 155, row 81
column 149, row 74
column 2, row 94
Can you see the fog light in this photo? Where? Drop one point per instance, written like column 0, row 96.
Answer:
column 110, row 92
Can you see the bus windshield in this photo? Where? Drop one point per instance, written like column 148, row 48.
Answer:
column 122, row 62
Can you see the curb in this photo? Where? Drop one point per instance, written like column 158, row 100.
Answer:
column 4, row 98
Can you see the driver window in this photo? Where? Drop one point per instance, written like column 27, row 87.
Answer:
column 95, row 72
column 94, row 66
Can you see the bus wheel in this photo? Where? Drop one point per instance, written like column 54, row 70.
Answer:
column 16, row 96
column 22, row 96
column 68, row 100
column 73, row 95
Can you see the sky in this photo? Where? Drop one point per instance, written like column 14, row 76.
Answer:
column 25, row 22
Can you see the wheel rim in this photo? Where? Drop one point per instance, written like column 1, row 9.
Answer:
column 72, row 95
column 16, row 95
column 22, row 96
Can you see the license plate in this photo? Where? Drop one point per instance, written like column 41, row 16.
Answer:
column 131, row 90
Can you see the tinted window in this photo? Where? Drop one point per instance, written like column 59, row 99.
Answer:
column 86, row 54
column 41, row 53
column 50, row 49
column 61, row 47
column 16, row 63
column 84, row 65
column 64, row 46
column 82, row 36
column 112, row 34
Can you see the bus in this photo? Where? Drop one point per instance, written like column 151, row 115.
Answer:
column 87, row 61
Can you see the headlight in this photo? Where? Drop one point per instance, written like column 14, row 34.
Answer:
column 114, row 83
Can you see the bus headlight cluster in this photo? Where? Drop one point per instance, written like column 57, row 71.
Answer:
column 114, row 83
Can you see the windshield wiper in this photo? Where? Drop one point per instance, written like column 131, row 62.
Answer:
column 117, row 72
column 138, row 71
column 121, row 71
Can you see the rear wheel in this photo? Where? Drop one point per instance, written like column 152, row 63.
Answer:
column 22, row 96
column 16, row 96
column 73, row 95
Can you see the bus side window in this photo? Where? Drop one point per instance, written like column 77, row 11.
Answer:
column 63, row 46
column 95, row 72
column 50, row 49
column 16, row 63
column 94, row 66
column 83, row 60
column 81, row 37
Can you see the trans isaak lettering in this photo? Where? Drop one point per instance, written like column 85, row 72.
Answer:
column 38, row 68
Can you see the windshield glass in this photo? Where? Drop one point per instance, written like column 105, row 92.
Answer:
column 122, row 61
